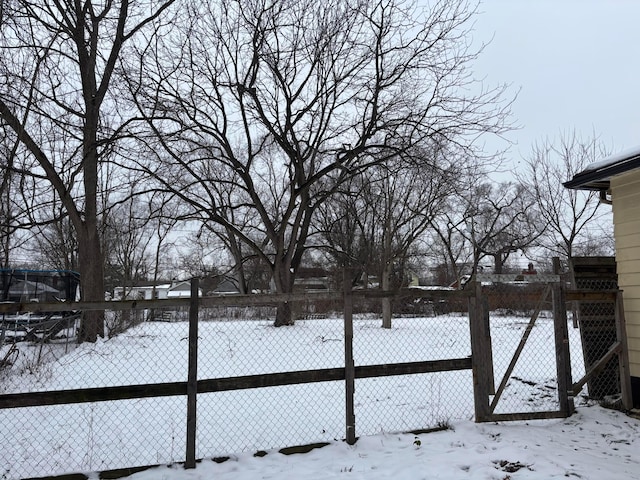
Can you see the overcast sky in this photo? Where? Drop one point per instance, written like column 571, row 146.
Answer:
column 576, row 63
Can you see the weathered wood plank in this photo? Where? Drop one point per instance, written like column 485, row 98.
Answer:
column 563, row 355
column 349, row 365
column 591, row 295
column 597, row 367
column 411, row 368
column 103, row 394
column 623, row 357
column 192, row 377
column 226, row 301
column 511, row 417
column 87, row 395
column 480, row 355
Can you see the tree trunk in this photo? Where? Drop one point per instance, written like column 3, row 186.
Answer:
column 284, row 284
column 91, row 285
column 386, row 301
column 284, row 315
column 498, row 262
column 238, row 272
column 241, row 281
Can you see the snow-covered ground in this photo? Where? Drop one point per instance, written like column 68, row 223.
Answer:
column 108, row 435
column 593, row 444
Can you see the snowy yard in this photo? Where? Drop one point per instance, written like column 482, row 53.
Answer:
column 593, row 444
column 108, row 435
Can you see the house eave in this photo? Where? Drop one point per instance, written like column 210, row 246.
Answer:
column 598, row 178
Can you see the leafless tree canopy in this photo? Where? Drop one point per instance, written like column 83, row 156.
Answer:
column 261, row 109
column 568, row 213
column 500, row 219
column 262, row 118
column 375, row 224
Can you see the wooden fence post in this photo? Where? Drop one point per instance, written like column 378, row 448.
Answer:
column 623, row 356
column 192, row 375
column 349, row 365
column 563, row 356
column 480, row 357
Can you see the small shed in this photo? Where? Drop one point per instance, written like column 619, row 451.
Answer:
column 142, row 292
column 617, row 178
column 180, row 289
column 20, row 285
column 30, row 291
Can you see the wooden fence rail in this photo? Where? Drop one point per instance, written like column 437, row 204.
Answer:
column 263, row 299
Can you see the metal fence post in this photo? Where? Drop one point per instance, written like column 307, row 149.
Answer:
column 349, row 365
column 192, row 376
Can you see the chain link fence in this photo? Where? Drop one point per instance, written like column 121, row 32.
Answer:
column 419, row 401
column 55, row 439
column 244, row 342
column 238, row 343
column 234, row 342
column 311, row 413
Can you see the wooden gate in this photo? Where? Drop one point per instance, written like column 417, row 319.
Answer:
column 498, row 309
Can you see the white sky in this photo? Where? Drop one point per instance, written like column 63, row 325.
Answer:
column 575, row 63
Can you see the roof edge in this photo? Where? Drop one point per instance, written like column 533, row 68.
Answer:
column 597, row 176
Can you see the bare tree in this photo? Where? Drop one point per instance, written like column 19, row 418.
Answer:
column 127, row 238
column 243, row 256
column 392, row 206
column 8, row 186
column 500, row 219
column 344, row 228
column 55, row 243
column 57, row 66
column 449, row 246
column 165, row 215
column 568, row 213
column 285, row 101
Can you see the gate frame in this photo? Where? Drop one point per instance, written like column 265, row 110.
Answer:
column 481, row 350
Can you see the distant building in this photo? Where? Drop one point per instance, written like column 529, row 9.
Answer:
column 21, row 285
column 161, row 291
column 311, row 279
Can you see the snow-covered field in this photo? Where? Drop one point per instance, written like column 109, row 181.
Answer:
column 108, row 435
column 593, row 444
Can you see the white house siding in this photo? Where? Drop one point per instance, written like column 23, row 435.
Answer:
column 625, row 191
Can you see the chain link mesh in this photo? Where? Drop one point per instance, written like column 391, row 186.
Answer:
column 412, row 402
column 48, row 440
column 596, row 322
column 521, row 325
column 242, row 341
column 150, row 347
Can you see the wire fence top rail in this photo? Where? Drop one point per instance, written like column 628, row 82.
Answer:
column 518, row 277
column 224, row 300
